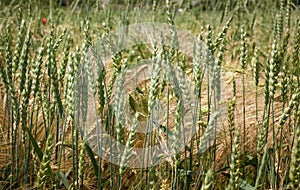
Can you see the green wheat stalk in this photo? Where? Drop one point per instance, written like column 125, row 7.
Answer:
column 234, row 165
column 208, row 181
column 294, row 174
column 43, row 173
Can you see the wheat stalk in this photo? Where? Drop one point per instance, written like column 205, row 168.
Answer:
column 43, row 173
column 234, row 165
column 208, row 181
column 294, row 174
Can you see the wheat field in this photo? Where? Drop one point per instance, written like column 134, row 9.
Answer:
column 150, row 94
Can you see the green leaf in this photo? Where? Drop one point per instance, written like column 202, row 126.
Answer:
column 64, row 180
column 137, row 89
column 34, row 143
column 132, row 103
column 91, row 155
column 37, row 149
column 245, row 185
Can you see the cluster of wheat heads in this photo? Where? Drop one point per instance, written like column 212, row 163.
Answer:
column 254, row 60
